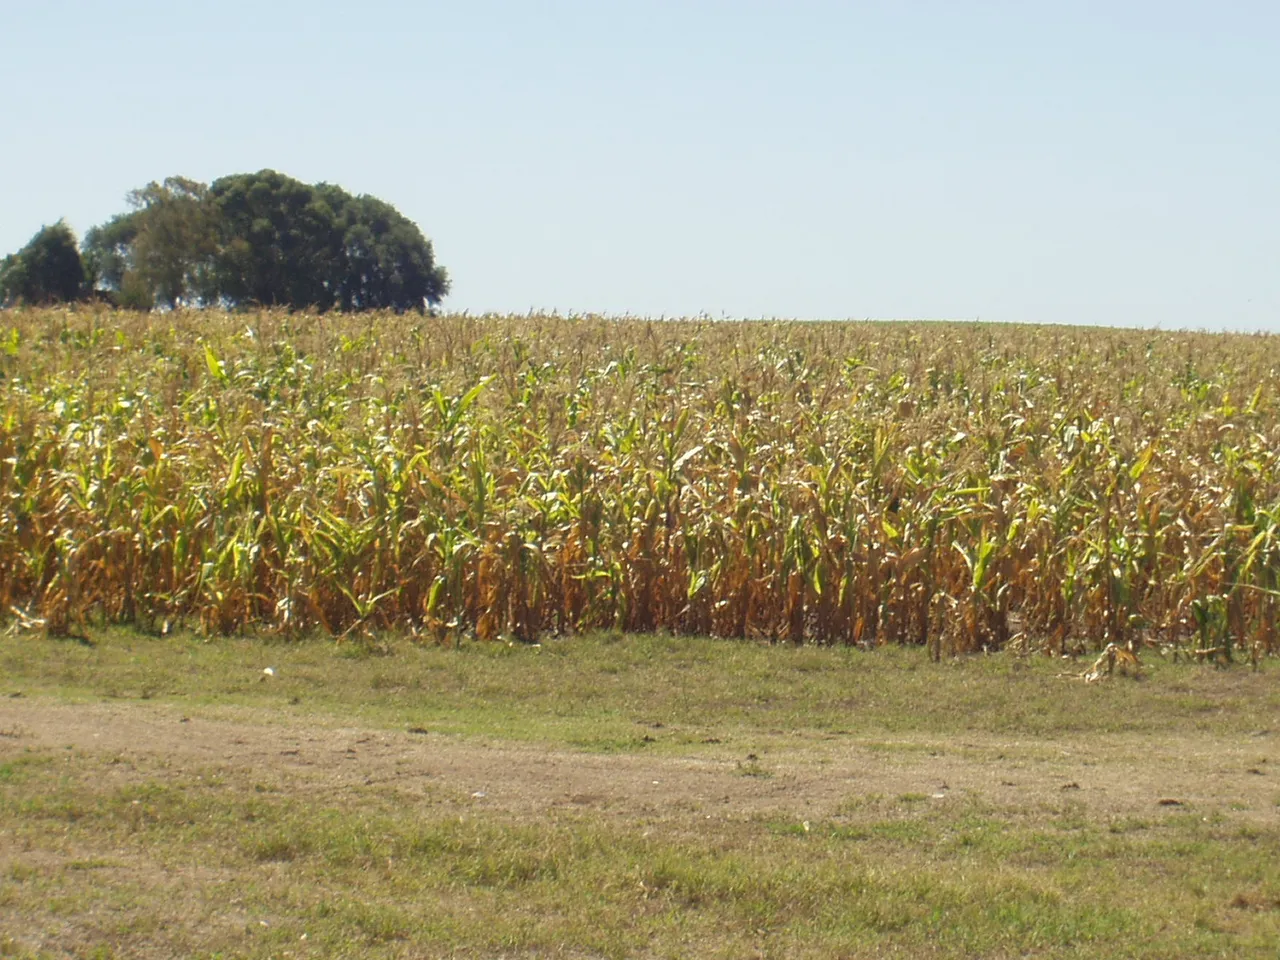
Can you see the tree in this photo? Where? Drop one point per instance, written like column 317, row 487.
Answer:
column 280, row 245
column 386, row 262
column 47, row 270
column 177, row 240
column 163, row 251
column 106, row 251
column 263, row 238
column 290, row 244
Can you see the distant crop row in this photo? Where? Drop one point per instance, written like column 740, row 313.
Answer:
column 963, row 487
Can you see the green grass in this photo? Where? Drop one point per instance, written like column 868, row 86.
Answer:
column 891, row 879
column 158, row 859
column 608, row 693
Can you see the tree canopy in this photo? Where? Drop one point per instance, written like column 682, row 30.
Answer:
column 254, row 238
column 163, row 252
column 285, row 242
column 47, row 270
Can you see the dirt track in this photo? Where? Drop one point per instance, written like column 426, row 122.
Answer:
column 811, row 778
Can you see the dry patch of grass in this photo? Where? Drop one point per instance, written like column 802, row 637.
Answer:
column 626, row 797
column 200, row 865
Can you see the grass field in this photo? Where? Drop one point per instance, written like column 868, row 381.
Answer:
column 627, row 796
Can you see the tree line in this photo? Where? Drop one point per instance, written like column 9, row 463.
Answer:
column 262, row 239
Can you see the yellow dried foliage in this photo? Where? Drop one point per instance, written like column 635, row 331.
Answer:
column 960, row 486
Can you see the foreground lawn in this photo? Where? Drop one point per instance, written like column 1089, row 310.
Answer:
column 592, row 692
column 635, row 796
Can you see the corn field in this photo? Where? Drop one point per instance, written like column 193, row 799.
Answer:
column 963, row 487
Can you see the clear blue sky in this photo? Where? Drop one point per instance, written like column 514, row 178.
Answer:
column 1091, row 162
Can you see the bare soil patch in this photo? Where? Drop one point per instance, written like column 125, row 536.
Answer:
column 809, row 776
